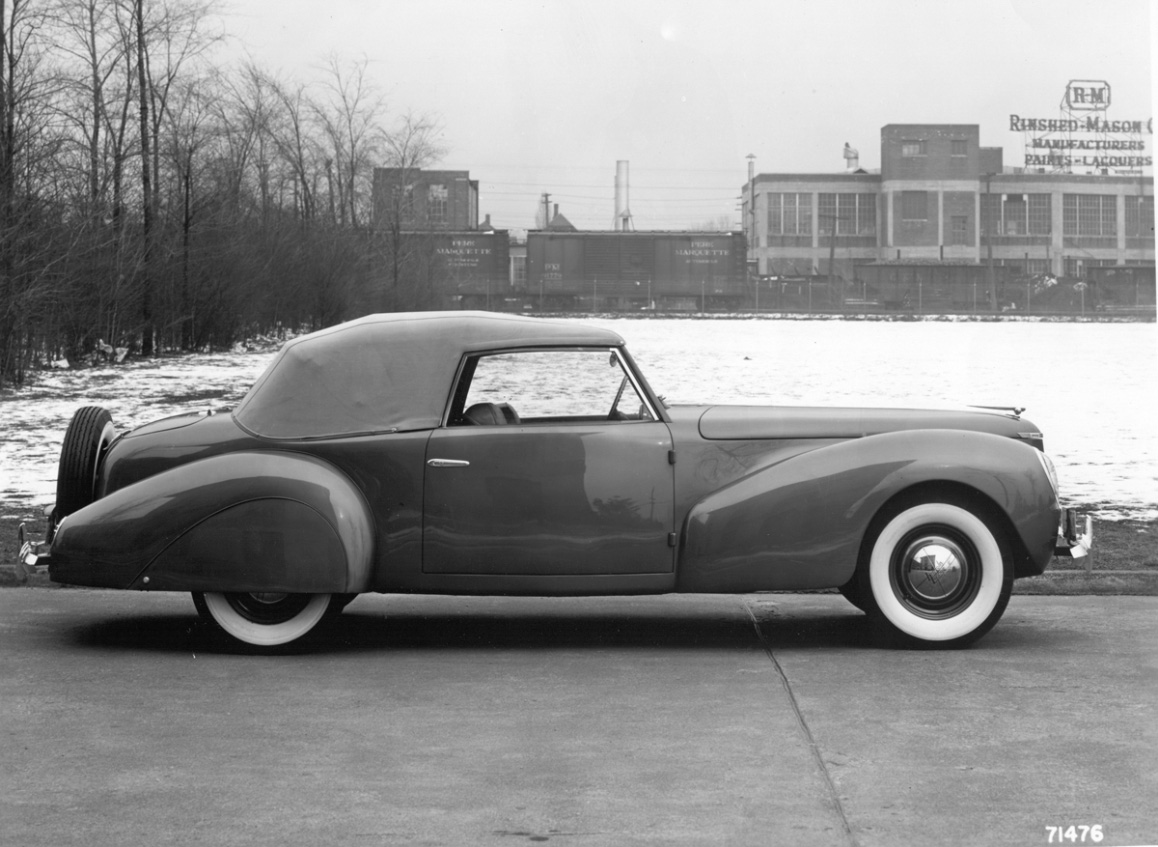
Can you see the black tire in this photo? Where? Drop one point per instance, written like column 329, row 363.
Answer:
column 851, row 591
column 89, row 434
column 937, row 571
column 201, row 606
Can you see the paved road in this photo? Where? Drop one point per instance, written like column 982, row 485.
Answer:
column 764, row 719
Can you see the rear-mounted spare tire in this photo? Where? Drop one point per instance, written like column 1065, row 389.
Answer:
column 88, row 436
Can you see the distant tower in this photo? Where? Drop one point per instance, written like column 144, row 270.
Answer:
column 623, row 220
column 851, row 158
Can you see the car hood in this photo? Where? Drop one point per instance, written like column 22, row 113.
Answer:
column 784, row 422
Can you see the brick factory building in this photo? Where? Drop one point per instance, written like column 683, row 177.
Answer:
column 941, row 197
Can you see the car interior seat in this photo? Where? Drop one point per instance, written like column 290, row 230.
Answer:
column 490, row 414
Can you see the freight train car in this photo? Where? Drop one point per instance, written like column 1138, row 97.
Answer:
column 1122, row 288
column 915, row 285
column 427, row 269
column 596, row 271
column 474, row 266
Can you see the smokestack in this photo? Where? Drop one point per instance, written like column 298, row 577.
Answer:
column 622, row 189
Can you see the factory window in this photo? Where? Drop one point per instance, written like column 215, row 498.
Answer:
column 912, row 147
column 1016, row 214
column 1039, row 214
column 960, row 231
column 959, row 147
column 1013, row 214
column 853, row 214
column 846, row 214
column 1139, row 216
column 1090, row 215
column 826, row 213
column 436, row 204
column 914, row 206
column 789, row 214
column 866, row 214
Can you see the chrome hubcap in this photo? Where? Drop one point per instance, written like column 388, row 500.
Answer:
column 934, row 568
column 936, row 571
column 268, row 597
column 267, row 608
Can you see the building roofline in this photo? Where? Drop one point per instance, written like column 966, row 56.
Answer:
column 702, row 233
column 819, row 177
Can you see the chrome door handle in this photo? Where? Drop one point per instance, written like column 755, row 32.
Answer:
column 448, row 463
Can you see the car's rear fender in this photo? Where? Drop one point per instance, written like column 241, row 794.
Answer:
column 250, row 521
column 799, row 523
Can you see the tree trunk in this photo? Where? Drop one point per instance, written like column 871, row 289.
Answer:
column 146, row 190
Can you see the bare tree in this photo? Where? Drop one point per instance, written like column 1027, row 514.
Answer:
column 243, row 114
column 351, row 118
column 177, row 33
column 146, row 197
column 88, row 32
column 413, row 145
column 297, row 147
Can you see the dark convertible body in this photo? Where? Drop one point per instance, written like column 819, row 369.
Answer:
column 471, row 452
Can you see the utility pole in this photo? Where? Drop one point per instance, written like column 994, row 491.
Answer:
column 990, row 280
column 832, row 254
column 750, row 224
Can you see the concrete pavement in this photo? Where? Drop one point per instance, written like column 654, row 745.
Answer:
column 757, row 719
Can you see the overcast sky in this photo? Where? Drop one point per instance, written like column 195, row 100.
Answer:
column 545, row 96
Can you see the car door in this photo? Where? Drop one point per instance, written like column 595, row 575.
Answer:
column 552, row 462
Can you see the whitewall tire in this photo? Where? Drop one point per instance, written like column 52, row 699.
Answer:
column 940, row 573
column 265, row 620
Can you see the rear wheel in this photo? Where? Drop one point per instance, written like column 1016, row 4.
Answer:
column 263, row 619
column 88, row 435
column 939, row 573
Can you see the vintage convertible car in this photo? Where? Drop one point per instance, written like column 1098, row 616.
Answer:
column 471, row 453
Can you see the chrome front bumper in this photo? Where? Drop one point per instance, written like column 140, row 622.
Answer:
column 1071, row 543
column 33, row 554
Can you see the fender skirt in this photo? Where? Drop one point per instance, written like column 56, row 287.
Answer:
column 799, row 524
column 268, row 521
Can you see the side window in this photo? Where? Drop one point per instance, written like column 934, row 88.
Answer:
column 551, row 386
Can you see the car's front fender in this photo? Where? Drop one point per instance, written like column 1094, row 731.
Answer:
column 250, row 521
column 799, row 523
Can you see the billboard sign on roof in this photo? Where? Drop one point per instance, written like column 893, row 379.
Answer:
column 1088, row 95
column 1082, row 139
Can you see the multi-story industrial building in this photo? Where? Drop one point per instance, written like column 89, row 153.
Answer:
column 416, row 199
column 942, row 198
column 429, row 238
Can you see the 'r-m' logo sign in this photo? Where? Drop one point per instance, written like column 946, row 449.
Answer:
column 1088, row 94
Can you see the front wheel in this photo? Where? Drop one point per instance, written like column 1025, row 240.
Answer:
column 939, row 573
column 263, row 619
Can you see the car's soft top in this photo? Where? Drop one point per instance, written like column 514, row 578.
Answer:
column 387, row 372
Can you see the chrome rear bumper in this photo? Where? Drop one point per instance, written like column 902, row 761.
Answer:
column 33, row 554
column 1070, row 543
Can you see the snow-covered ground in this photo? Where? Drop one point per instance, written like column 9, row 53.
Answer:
column 1088, row 386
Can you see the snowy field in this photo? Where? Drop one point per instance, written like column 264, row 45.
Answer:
column 1087, row 386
